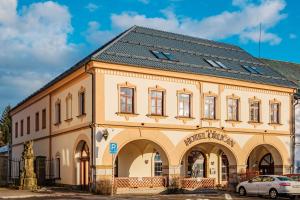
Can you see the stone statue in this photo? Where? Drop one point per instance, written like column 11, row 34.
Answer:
column 28, row 179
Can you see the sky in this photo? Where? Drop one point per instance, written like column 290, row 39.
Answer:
column 41, row 39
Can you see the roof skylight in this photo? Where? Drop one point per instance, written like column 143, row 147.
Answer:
column 164, row 55
column 252, row 69
column 217, row 64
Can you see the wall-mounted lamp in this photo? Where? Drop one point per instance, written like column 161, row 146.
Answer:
column 222, row 127
column 142, row 124
column 105, row 134
column 146, row 162
column 265, row 131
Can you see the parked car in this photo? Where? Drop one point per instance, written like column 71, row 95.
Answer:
column 272, row 185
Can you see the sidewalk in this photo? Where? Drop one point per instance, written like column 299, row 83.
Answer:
column 8, row 193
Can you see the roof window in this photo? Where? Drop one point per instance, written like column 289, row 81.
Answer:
column 217, row 64
column 163, row 55
column 252, row 69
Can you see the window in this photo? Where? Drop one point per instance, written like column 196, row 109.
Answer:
column 164, row 55
column 212, row 63
column 157, row 102
column 184, row 105
column 159, row 55
column 254, row 111
column 37, row 121
column 233, row 109
column 57, row 167
column 274, row 113
column 43, row 118
column 252, row 69
column 157, row 165
column 16, row 129
column 225, row 168
column 28, row 125
column 221, row 65
column 127, row 100
column 69, row 107
column 57, row 112
column 81, row 103
column 22, row 127
column 209, row 107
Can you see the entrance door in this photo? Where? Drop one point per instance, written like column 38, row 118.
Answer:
column 266, row 165
column 84, row 167
column 196, row 164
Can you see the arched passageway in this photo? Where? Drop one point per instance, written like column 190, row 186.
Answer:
column 141, row 163
column 265, row 159
column 82, row 160
column 209, row 161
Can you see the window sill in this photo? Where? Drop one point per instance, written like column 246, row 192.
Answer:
column 127, row 115
column 184, row 119
column 68, row 120
column 254, row 123
column 233, row 121
column 210, row 120
column 157, row 117
column 81, row 116
column 275, row 124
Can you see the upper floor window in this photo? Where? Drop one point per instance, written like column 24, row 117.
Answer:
column 254, row 111
column 233, row 109
column 28, row 125
column 274, row 113
column 58, row 112
column 157, row 102
column 22, row 127
column 69, row 107
column 126, row 100
column 44, row 121
column 16, row 129
column 184, row 105
column 81, row 102
column 209, row 107
column 37, row 121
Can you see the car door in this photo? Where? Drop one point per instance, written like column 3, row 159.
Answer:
column 253, row 184
column 265, row 185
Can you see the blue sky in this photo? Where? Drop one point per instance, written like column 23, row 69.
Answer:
column 40, row 39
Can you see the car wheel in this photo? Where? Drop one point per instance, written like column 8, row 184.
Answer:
column 273, row 194
column 242, row 191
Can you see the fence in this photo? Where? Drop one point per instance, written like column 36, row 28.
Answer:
column 47, row 171
column 140, row 182
column 196, row 183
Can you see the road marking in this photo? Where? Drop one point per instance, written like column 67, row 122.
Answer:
column 228, row 197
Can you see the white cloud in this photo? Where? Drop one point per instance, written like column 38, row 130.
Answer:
column 95, row 36
column 242, row 23
column 33, row 40
column 92, row 7
column 292, row 36
column 240, row 2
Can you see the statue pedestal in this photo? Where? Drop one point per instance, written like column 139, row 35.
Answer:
column 28, row 179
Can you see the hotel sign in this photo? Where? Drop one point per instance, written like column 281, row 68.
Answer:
column 210, row 134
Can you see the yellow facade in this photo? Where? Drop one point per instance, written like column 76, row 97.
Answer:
column 140, row 135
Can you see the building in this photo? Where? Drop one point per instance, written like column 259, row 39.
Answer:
column 292, row 72
column 184, row 112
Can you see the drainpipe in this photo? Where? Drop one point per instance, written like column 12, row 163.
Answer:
column 92, row 126
column 293, row 147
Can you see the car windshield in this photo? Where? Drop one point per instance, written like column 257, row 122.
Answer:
column 284, row 178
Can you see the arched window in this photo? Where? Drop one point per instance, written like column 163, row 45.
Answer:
column 57, row 166
column 225, row 167
column 266, row 165
column 157, row 165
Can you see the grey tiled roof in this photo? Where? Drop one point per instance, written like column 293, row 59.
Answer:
column 132, row 47
column 287, row 69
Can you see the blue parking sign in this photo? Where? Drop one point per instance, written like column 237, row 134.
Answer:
column 113, row 148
